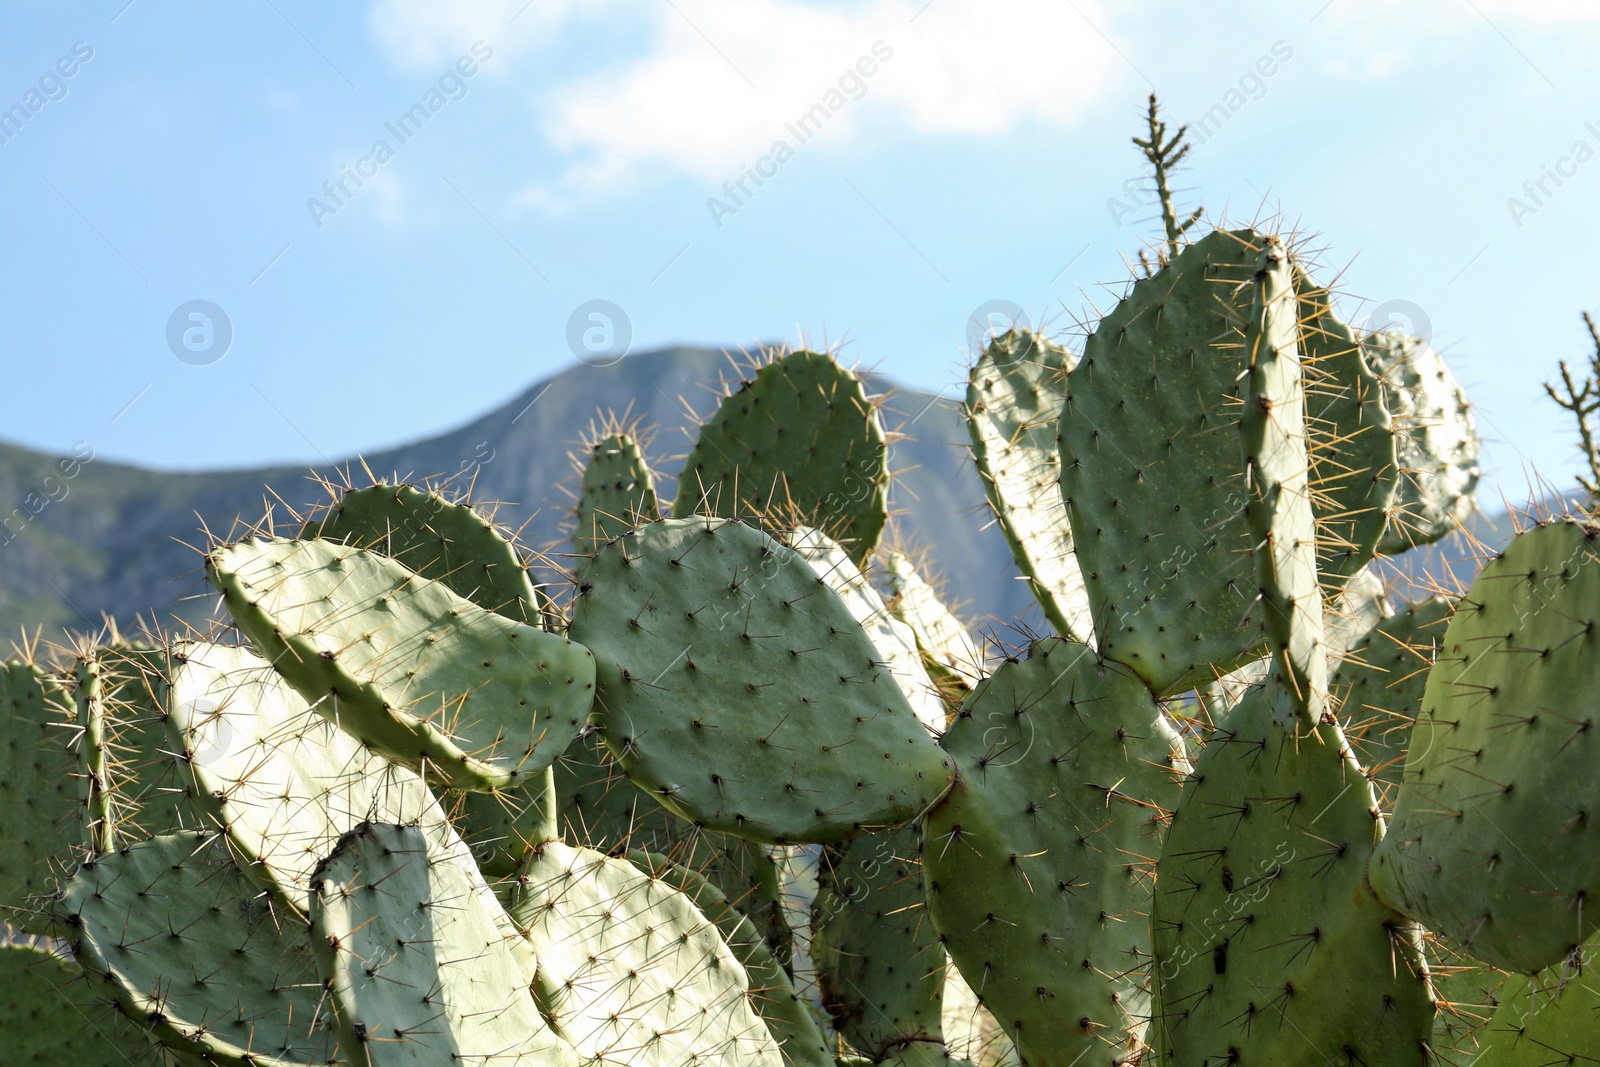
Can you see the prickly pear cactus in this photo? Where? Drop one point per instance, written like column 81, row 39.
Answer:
column 878, row 959
column 187, row 947
column 414, row 960
column 1491, row 843
column 1149, row 461
column 285, row 782
column 737, row 688
column 1551, row 1018
column 1038, row 861
column 1437, row 440
column 1268, row 946
column 1014, row 397
column 38, row 791
column 629, row 968
column 430, row 679
column 618, row 493
column 136, row 786
column 49, row 1020
column 953, row 657
column 800, row 440
column 436, row 537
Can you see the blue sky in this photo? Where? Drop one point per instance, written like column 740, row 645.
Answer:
column 979, row 151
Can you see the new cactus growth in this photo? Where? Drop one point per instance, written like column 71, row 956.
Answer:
column 802, row 440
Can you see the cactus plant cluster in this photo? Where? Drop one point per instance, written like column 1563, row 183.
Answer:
column 748, row 792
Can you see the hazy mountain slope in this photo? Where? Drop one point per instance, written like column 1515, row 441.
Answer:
column 108, row 541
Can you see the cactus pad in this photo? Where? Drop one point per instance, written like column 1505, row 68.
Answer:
column 410, row 945
column 617, row 494
column 47, row 1021
column 1148, row 443
column 1283, row 530
column 1492, row 844
column 285, row 782
column 1550, row 1018
column 879, row 964
column 1014, row 396
column 735, row 686
column 435, row 537
column 954, row 659
column 39, row 790
column 1269, row 948
column 189, row 948
column 630, row 970
column 1038, row 862
column 1438, row 441
column 1350, row 438
column 424, row 676
column 802, row 441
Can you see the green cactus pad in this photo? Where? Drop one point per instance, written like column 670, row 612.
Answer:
column 40, row 791
column 800, row 441
column 735, row 686
column 895, row 641
column 424, row 676
column 1551, row 1018
column 48, row 1019
column 953, row 658
column 1438, row 441
column 187, row 947
column 630, row 970
column 880, row 967
column 1491, row 842
column 1014, row 396
column 285, row 782
column 137, row 787
column 1361, row 605
column 1269, row 947
column 1283, row 529
column 436, row 537
column 1149, row 455
column 1038, row 862
column 1350, row 439
column 1380, row 688
column 410, row 943
column 617, row 494
column 772, row 994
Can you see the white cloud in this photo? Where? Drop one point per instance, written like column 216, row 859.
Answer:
column 420, row 36
column 718, row 79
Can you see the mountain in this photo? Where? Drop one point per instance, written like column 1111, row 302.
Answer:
column 86, row 536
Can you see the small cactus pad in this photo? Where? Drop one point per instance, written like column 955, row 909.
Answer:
column 617, row 494
column 880, row 967
column 1491, row 842
column 186, row 946
column 895, row 641
column 284, row 782
column 1551, row 1018
column 1148, row 446
column 424, row 676
column 1037, row 863
column 954, row 659
column 48, row 1021
column 435, row 537
column 772, row 993
column 630, row 970
column 40, row 791
column 1014, row 396
column 1269, row 948
column 1438, row 441
column 415, row 962
column 1380, row 689
column 1283, row 530
column 1350, row 438
column 801, row 440
column 734, row 686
